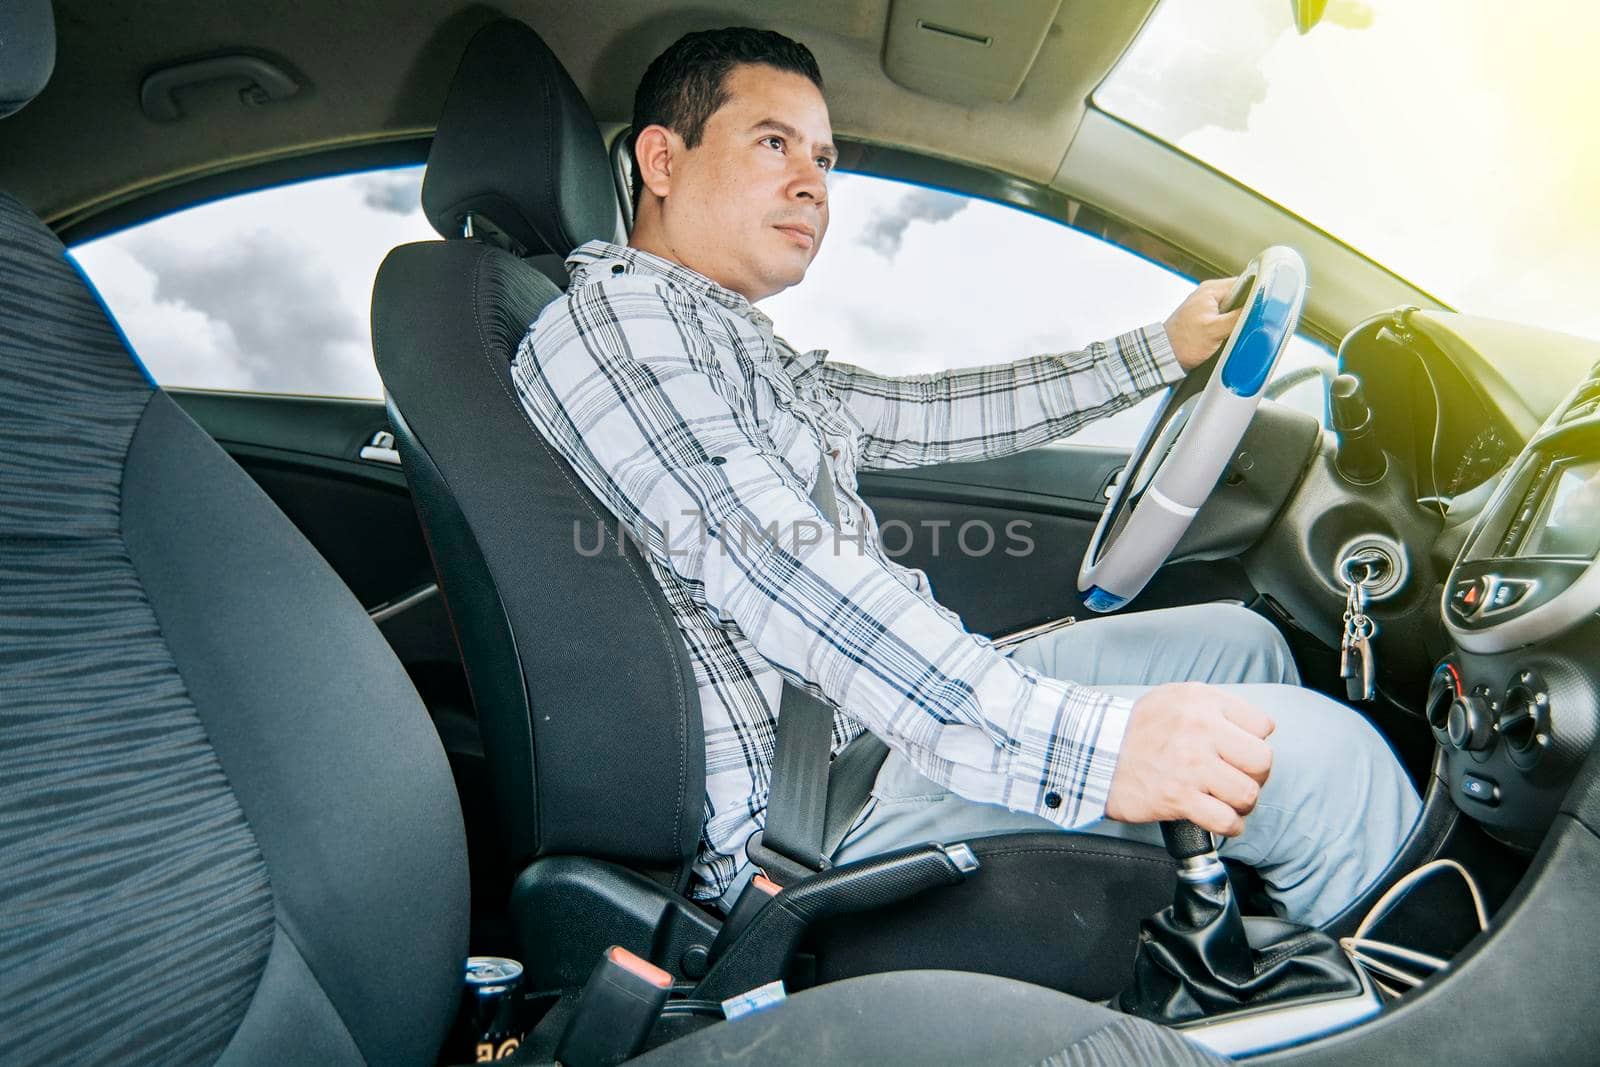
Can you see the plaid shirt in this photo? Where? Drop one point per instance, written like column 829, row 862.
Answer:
column 702, row 432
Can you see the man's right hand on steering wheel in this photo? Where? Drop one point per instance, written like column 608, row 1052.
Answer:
column 1192, row 751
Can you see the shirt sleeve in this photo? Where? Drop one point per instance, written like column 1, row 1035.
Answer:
column 620, row 376
column 986, row 412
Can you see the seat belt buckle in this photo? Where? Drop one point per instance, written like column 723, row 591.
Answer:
column 616, row 1010
column 775, row 865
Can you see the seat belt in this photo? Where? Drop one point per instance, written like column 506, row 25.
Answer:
column 799, row 835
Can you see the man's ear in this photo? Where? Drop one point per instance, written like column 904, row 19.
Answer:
column 654, row 150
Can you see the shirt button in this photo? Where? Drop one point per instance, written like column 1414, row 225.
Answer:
column 618, row 268
column 1052, row 800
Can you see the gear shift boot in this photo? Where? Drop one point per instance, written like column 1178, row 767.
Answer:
column 1200, row 958
column 1175, row 980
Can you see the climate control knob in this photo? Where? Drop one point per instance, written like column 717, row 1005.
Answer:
column 1525, row 718
column 1443, row 688
column 1470, row 725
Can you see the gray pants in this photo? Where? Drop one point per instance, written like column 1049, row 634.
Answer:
column 1332, row 815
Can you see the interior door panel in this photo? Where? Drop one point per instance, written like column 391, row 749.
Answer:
column 1064, row 479
column 304, row 452
column 1002, row 540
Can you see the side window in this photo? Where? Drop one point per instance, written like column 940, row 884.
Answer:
column 912, row 279
column 267, row 291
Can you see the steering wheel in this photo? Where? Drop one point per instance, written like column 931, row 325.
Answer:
column 1183, row 451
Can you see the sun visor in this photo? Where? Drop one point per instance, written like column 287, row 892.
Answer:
column 965, row 52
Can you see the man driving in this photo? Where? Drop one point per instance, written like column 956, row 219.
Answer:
column 667, row 390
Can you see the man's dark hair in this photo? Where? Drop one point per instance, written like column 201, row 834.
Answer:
column 686, row 83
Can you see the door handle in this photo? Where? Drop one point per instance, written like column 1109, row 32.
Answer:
column 381, row 449
column 1111, row 483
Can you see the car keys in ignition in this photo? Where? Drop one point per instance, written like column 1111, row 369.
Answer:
column 1356, row 664
column 1360, row 669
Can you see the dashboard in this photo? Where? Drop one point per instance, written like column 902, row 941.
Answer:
column 1494, row 429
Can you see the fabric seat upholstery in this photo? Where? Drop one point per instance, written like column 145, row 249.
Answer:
column 227, row 828
column 935, row 1017
column 185, row 763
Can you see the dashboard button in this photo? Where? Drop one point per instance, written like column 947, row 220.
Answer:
column 1507, row 593
column 1466, row 595
column 1480, row 789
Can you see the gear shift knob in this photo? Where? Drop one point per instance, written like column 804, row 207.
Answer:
column 1202, row 880
column 1184, row 840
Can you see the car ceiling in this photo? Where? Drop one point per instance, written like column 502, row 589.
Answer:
column 377, row 70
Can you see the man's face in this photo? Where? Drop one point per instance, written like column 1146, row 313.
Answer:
column 748, row 205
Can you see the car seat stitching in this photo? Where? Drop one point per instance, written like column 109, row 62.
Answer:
column 549, row 168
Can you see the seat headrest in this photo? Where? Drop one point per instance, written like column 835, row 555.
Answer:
column 518, row 149
column 27, row 51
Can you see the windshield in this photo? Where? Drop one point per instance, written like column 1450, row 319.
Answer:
column 1452, row 141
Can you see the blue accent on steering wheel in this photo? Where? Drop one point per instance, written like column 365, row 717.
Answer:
column 1097, row 599
column 1266, row 325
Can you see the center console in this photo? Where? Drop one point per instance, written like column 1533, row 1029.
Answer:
column 1516, row 705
